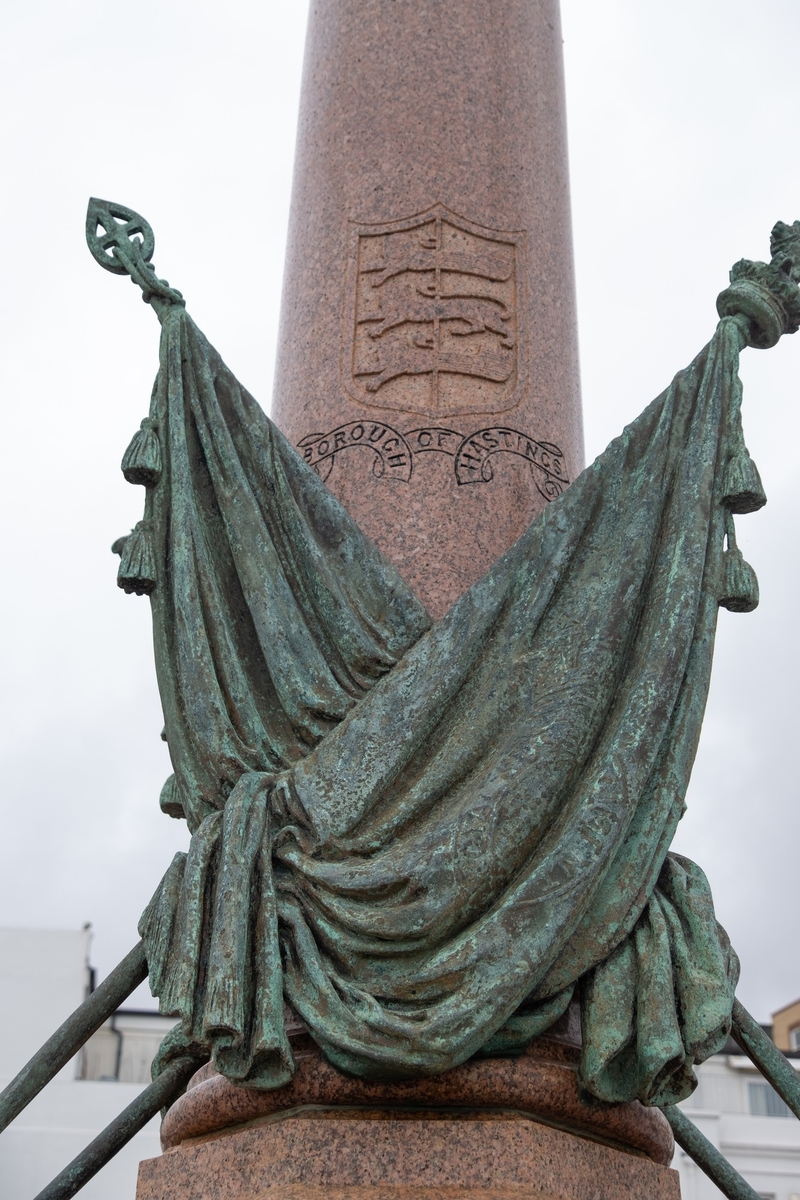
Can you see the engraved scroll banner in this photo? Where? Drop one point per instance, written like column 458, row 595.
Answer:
column 474, row 459
column 392, row 455
column 433, row 316
column 472, row 455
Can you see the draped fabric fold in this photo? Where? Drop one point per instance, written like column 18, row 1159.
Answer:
column 273, row 614
column 431, row 835
column 662, row 999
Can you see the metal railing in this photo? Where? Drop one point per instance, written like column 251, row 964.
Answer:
column 63, row 1045
column 765, row 1055
column 87, row 1019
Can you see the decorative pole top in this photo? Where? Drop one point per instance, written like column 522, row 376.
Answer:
column 767, row 293
column 121, row 241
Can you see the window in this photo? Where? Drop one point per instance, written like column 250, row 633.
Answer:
column 765, row 1101
column 122, row 1050
column 794, row 1038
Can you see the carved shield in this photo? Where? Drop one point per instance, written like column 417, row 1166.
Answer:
column 432, row 318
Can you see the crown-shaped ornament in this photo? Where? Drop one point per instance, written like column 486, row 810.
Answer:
column 766, row 294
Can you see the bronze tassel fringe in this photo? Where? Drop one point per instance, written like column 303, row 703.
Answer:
column 137, row 568
column 739, row 582
column 141, row 462
column 742, row 489
column 170, row 799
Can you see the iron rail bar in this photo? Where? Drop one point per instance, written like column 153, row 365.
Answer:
column 763, row 1052
column 119, row 1132
column 707, row 1157
column 76, row 1030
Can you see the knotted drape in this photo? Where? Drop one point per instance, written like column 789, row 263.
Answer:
column 424, row 837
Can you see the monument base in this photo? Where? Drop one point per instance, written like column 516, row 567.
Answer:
column 395, row 1155
column 492, row 1128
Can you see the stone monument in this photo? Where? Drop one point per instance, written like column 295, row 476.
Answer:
column 427, row 363
column 432, row 693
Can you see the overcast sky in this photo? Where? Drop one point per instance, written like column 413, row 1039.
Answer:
column 683, row 125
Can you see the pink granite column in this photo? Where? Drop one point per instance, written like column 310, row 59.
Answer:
column 427, row 362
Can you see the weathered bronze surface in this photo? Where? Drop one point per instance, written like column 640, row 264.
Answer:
column 427, row 837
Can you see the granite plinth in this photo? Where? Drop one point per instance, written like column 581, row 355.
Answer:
column 427, row 361
column 543, row 1081
column 493, row 1127
column 374, row 1154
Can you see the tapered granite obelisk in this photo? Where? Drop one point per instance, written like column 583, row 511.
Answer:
column 427, row 360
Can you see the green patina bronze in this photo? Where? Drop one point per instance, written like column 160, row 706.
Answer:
column 428, row 838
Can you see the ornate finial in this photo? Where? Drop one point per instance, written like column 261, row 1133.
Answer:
column 122, row 242
column 784, row 246
column 766, row 294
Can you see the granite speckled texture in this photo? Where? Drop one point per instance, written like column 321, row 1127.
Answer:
column 428, row 341
column 301, row 1191
column 321, row 1154
column 542, row 1082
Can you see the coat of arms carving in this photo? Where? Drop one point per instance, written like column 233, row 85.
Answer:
column 433, row 316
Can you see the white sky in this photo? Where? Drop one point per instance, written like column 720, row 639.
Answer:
column 683, row 139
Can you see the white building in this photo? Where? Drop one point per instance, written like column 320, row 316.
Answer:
column 748, row 1123
column 44, row 976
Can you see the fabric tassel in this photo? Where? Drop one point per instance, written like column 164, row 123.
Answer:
column 141, row 462
column 170, row 800
column 742, row 489
column 739, row 582
column 137, row 568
